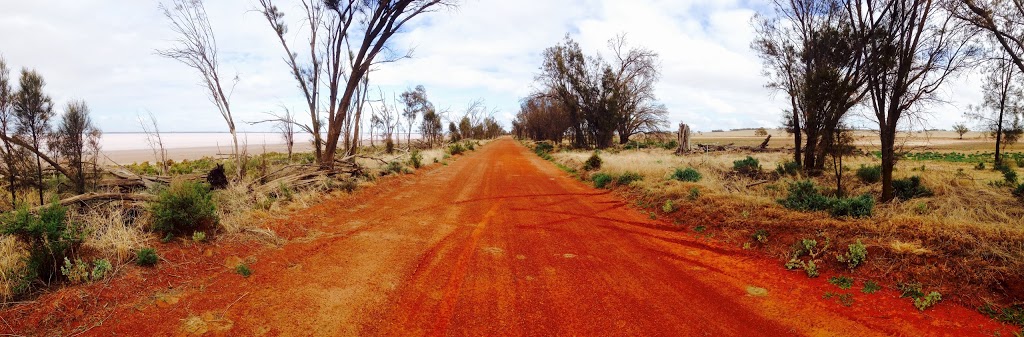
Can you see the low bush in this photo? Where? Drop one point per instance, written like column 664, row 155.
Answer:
column 199, row 236
column 749, row 166
column 694, row 194
column 870, row 287
column 688, row 174
column 393, row 168
column 243, row 269
column 927, row 301
column 543, row 147
column 602, row 180
column 805, row 196
column 415, row 159
column 1009, row 175
column 788, row 168
column 843, row 282
column 51, row 239
column 76, row 272
column 668, row 207
column 628, row 178
column 184, row 207
column 146, row 257
column 470, row 145
column 1019, row 191
column 592, row 163
column 910, row 188
column 869, row 174
column 760, row 235
column 456, row 149
column 100, row 269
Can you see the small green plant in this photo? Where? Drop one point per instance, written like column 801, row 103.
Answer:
column 1019, row 191
column 870, row 287
column 856, row 207
column 855, row 255
column 100, row 269
column 700, row 229
column 77, row 272
column 1009, row 175
column 199, row 236
column 694, row 194
column 910, row 290
column 788, row 168
column 804, row 196
column 456, row 149
column 184, row 207
column 749, row 166
column 927, row 301
column 843, row 299
column 869, row 174
column 1011, row 314
column 470, row 145
column 146, row 257
column 806, row 248
column 668, row 207
column 393, row 168
column 416, row 159
column 628, row 178
column 910, row 188
column 921, row 208
column 689, row 175
column 980, row 166
column 243, row 269
column 592, row 163
column 50, row 238
column 544, row 149
column 760, row 235
column 652, row 216
column 602, row 180
column 843, row 282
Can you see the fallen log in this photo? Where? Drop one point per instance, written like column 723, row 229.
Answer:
column 92, row 197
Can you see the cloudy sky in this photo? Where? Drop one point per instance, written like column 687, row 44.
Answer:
column 102, row 51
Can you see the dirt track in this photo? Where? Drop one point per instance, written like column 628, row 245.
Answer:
column 499, row 242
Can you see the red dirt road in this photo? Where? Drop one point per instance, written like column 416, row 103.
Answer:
column 499, row 243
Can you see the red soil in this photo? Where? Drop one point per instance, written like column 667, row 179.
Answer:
column 499, row 242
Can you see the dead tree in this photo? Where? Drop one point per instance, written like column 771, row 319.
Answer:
column 197, row 48
column 155, row 141
column 684, row 138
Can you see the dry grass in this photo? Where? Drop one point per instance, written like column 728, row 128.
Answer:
column 967, row 239
column 12, row 262
column 109, row 233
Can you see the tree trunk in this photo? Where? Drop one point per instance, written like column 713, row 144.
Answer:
column 810, row 154
column 797, row 132
column 623, row 138
column 238, row 156
column 888, row 138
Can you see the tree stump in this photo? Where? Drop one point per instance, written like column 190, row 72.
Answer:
column 764, row 144
column 217, row 178
column 684, row 138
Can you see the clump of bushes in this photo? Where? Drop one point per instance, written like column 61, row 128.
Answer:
column 604, row 180
column 688, row 174
column 51, row 238
column 592, row 163
column 628, row 178
column 869, row 174
column 788, row 168
column 146, row 257
column 804, row 196
column 470, row 145
column 910, row 188
column 184, row 207
column 1009, row 175
column 1019, row 191
column 749, row 166
column 393, row 168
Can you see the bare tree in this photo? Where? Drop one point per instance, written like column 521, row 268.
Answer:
column 196, row 47
column 961, row 129
column 346, row 37
column 33, row 110
column 416, row 103
column 636, row 73
column 911, row 47
column 387, row 117
column 155, row 141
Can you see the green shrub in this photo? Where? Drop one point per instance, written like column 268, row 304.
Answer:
column 543, row 147
column 788, row 168
column 1019, row 191
column 199, row 236
column 760, row 235
column 146, row 257
column 592, row 163
column 628, row 178
column 857, row 207
column 910, row 188
column 870, row 174
column 1012, row 314
column 749, row 166
column 243, row 269
column 184, row 207
column 668, row 207
column 804, row 196
column 1009, row 175
column 980, row 166
column 470, row 145
column 688, row 174
column 456, row 149
column 415, row 159
column 601, row 180
column 100, row 269
column 51, row 238
column 855, row 256
column 393, row 168
column 927, row 301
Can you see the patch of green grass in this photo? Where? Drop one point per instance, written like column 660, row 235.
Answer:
column 146, row 257
column 243, row 269
column 602, row 180
column 688, row 174
column 870, row 287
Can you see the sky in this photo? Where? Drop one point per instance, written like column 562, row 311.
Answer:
column 103, row 52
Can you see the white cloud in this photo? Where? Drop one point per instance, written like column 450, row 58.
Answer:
column 102, row 51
